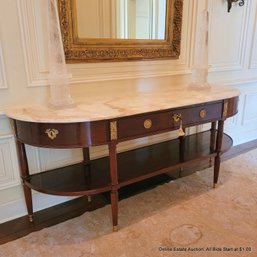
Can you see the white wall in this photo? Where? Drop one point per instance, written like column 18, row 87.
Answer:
column 23, row 76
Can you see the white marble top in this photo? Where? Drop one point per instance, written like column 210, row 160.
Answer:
column 106, row 100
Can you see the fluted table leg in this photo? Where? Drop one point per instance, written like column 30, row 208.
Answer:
column 114, row 184
column 218, row 150
column 24, row 170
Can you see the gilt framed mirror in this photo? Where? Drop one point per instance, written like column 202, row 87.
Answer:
column 120, row 30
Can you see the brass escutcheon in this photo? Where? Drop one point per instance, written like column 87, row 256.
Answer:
column 177, row 117
column 202, row 113
column 52, row 133
column 148, row 124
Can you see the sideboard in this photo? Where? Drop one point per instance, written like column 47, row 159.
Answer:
column 119, row 114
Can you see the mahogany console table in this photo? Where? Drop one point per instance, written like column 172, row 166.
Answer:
column 129, row 112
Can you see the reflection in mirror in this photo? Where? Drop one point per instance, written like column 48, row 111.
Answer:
column 121, row 19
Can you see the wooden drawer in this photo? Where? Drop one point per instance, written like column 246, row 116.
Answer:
column 148, row 124
column 144, row 125
column 61, row 135
column 199, row 114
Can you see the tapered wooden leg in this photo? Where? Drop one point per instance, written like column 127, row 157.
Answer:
column 114, row 184
column 114, row 203
column 213, row 135
column 181, row 152
column 25, row 174
column 86, row 155
column 218, row 150
column 87, row 167
column 210, row 162
column 212, row 140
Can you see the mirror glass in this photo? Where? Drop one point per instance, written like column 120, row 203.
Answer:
column 121, row 19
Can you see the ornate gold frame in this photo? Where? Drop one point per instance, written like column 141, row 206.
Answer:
column 96, row 50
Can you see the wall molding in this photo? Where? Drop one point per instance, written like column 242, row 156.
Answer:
column 249, row 116
column 9, row 169
column 5, row 128
column 93, row 72
column 35, row 50
column 253, row 59
column 33, row 159
column 238, row 61
column 16, row 209
column 36, row 68
column 3, row 80
column 37, row 74
column 236, row 82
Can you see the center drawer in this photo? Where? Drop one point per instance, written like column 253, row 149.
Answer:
column 148, row 124
column 143, row 125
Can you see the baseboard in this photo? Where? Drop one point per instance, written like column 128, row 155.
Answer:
column 16, row 209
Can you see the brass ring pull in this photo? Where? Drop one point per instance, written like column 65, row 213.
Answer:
column 177, row 117
column 202, row 113
column 148, row 124
column 52, row 133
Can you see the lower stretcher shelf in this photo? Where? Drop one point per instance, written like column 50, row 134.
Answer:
column 133, row 166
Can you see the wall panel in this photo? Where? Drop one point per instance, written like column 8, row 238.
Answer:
column 9, row 172
column 35, row 53
column 253, row 58
column 243, row 126
column 227, row 45
column 32, row 26
column 3, row 81
column 249, row 117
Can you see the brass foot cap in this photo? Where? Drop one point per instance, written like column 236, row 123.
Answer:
column 31, row 218
column 215, row 185
column 115, row 228
column 89, row 198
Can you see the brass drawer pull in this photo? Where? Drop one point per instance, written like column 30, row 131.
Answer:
column 177, row 117
column 202, row 113
column 52, row 133
column 148, row 124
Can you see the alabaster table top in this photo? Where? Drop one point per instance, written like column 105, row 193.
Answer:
column 108, row 100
